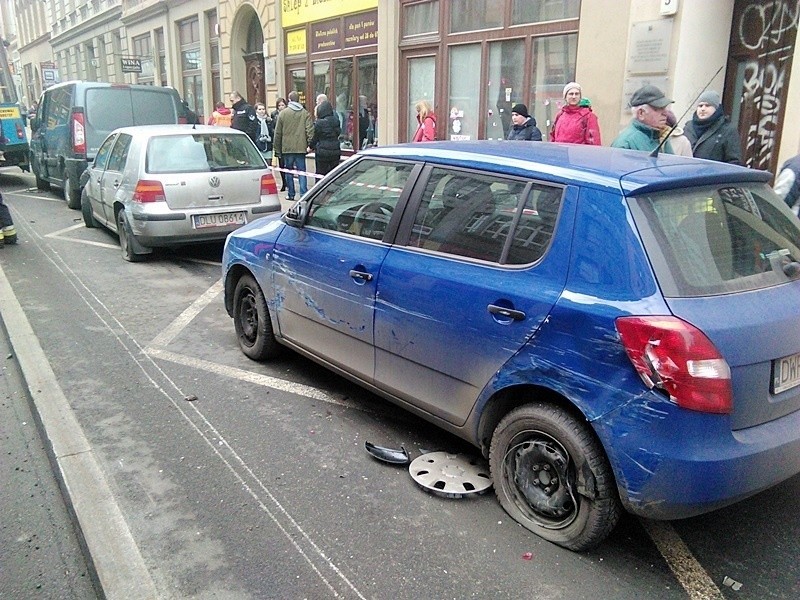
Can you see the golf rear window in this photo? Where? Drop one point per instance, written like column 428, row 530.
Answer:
column 716, row 240
column 193, row 153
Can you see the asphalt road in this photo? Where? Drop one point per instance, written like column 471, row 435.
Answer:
column 245, row 480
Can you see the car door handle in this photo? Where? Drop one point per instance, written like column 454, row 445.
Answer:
column 116, row 184
column 516, row 315
column 360, row 275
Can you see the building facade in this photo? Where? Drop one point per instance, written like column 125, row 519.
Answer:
column 473, row 59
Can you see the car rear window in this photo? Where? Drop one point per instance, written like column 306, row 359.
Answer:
column 109, row 108
column 192, row 153
column 716, row 240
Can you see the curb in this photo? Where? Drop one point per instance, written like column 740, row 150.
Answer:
column 118, row 568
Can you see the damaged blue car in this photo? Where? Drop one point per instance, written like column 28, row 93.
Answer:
column 614, row 331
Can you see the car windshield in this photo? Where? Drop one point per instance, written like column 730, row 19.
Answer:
column 195, row 153
column 717, row 240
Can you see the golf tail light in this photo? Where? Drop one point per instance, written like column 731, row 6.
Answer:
column 672, row 355
column 149, row 191
column 268, row 185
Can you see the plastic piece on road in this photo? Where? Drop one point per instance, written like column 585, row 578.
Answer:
column 388, row 455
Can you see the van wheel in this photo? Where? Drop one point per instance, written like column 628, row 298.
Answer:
column 71, row 195
column 125, row 238
column 551, row 475
column 86, row 210
column 41, row 184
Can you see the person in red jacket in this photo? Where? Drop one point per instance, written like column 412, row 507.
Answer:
column 575, row 124
column 426, row 132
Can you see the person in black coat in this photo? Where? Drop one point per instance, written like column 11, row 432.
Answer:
column 524, row 126
column 244, row 117
column 325, row 142
column 711, row 133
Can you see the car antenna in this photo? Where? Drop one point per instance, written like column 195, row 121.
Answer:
column 655, row 152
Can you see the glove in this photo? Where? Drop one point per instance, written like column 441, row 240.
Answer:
column 274, row 160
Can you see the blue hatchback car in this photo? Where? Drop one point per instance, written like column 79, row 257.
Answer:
column 614, row 331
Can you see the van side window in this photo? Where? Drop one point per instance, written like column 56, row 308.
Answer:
column 472, row 215
column 58, row 108
column 119, row 154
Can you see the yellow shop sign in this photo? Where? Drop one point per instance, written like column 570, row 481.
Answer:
column 297, row 12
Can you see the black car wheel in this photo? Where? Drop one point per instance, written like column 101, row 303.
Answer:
column 551, row 475
column 86, row 210
column 125, row 238
column 252, row 321
column 41, row 184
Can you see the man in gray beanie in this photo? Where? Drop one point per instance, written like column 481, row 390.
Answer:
column 711, row 133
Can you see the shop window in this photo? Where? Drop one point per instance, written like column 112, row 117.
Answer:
column 421, row 19
column 421, row 85
column 476, row 15
column 506, row 71
column 526, row 11
column 298, row 83
column 463, row 109
column 553, row 65
column 343, row 105
column 189, row 35
column 322, row 78
column 162, row 56
column 367, row 101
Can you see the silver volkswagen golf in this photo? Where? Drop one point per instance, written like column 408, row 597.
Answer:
column 167, row 185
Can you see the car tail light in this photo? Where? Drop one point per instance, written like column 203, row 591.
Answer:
column 148, row 191
column 20, row 131
column 672, row 355
column 268, row 185
column 78, row 133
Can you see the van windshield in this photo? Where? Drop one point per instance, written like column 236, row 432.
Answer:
column 720, row 239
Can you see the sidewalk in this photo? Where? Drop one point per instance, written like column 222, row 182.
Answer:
column 115, row 563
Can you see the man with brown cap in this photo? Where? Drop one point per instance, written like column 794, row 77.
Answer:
column 648, row 105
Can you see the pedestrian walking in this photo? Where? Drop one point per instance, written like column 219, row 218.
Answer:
column 293, row 133
column 325, row 143
column 523, row 126
column 221, row 115
column 575, row 123
column 648, row 104
column 244, row 116
column 711, row 133
column 426, row 131
column 8, row 234
column 787, row 185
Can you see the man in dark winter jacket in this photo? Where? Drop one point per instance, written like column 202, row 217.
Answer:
column 244, row 116
column 787, row 185
column 711, row 133
column 524, row 127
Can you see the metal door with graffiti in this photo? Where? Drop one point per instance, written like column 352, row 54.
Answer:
column 762, row 43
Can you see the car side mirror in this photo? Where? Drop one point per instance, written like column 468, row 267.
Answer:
column 296, row 214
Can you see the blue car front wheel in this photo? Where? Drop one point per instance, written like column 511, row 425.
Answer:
column 551, row 475
column 251, row 320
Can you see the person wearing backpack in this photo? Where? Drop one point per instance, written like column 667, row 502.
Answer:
column 575, row 123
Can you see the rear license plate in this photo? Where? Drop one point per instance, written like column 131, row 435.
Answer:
column 218, row 220
column 785, row 373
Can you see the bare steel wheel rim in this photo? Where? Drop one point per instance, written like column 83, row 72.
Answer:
column 248, row 318
column 539, row 475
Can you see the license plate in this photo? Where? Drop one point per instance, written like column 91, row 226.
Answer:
column 785, row 373
column 218, row 220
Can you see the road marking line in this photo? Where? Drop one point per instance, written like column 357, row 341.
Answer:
column 688, row 571
column 37, row 197
column 282, row 385
column 172, row 331
column 65, row 230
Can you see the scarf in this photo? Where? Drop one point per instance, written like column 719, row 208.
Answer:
column 701, row 125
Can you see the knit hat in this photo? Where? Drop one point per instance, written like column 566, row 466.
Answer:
column 572, row 85
column 710, row 97
column 521, row 110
